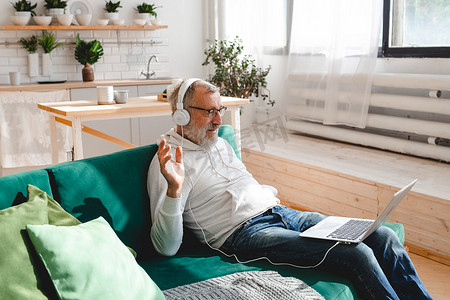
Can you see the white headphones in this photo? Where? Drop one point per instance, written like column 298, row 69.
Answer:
column 181, row 116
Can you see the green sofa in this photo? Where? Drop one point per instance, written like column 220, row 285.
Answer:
column 114, row 186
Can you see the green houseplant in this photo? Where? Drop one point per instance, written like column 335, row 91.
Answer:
column 31, row 44
column 87, row 54
column 147, row 8
column 112, row 10
column 112, row 7
column 48, row 43
column 236, row 74
column 49, row 4
column 25, row 6
column 54, row 8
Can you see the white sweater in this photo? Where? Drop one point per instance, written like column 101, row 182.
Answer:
column 218, row 195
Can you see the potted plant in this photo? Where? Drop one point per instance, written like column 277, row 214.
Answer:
column 146, row 10
column 31, row 45
column 48, row 43
column 112, row 10
column 61, row 4
column 235, row 74
column 54, row 8
column 87, row 54
column 24, row 8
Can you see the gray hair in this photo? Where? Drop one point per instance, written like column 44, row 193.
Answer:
column 189, row 95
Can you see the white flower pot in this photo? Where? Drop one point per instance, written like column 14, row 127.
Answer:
column 33, row 64
column 145, row 16
column 112, row 16
column 23, row 13
column 23, row 16
column 47, row 64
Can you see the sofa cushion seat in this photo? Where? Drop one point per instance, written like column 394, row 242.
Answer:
column 202, row 264
column 197, row 263
column 113, row 186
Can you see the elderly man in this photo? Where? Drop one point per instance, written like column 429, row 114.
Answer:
column 196, row 182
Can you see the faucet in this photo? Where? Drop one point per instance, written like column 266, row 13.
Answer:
column 149, row 74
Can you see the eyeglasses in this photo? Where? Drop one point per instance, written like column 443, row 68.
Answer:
column 213, row 111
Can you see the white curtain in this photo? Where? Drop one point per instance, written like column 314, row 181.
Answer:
column 260, row 24
column 25, row 129
column 333, row 52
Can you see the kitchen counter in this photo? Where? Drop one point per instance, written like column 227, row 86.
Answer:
column 78, row 85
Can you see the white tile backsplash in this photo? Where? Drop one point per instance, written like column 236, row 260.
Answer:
column 125, row 56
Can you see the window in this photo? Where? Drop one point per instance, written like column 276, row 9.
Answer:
column 416, row 28
column 262, row 24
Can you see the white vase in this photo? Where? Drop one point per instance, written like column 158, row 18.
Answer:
column 47, row 64
column 112, row 16
column 33, row 64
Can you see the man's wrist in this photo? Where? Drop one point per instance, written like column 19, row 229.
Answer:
column 173, row 192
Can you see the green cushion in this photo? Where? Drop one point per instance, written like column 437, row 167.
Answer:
column 17, row 271
column 13, row 188
column 88, row 261
column 23, row 275
column 113, row 186
column 226, row 132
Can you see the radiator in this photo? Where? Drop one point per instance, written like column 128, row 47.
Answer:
column 408, row 113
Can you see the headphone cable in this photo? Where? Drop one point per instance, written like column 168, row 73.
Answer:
column 258, row 258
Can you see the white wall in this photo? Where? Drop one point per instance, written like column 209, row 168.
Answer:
column 180, row 47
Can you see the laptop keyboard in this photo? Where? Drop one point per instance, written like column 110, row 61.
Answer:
column 351, row 229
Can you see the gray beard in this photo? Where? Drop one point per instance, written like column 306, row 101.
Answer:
column 198, row 136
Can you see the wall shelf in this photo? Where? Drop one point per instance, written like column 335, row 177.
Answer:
column 74, row 27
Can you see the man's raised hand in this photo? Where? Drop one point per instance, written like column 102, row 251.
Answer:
column 173, row 171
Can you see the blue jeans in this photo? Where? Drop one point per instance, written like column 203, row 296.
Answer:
column 379, row 267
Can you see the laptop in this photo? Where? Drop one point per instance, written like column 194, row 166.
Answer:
column 354, row 230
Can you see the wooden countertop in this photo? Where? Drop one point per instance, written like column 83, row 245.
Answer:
column 78, row 85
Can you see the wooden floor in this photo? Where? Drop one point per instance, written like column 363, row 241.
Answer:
column 435, row 276
column 376, row 165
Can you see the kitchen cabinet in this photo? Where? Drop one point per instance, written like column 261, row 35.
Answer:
column 151, row 128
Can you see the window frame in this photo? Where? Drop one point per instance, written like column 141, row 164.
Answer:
column 284, row 50
column 387, row 51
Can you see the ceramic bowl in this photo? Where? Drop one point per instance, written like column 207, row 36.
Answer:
column 83, row 19
column 102, row 22
column 64, row 20
column 118, row 22
column 20, row 20
column 140, row 21
column 155, row 21
column 42, row 20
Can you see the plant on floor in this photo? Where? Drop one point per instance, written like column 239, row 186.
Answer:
column 48, row 42
column 87, row 54
column 55, row 4
column 236, row 74
column 112, row 7
column 24, row 5
column 148, row 8
column 29, row 44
